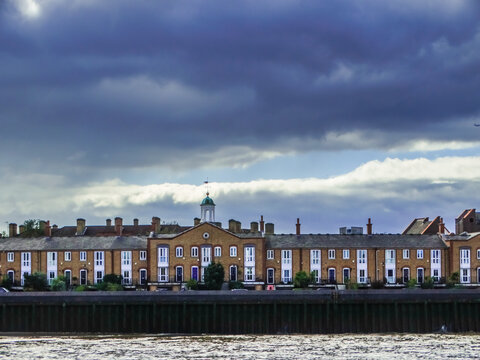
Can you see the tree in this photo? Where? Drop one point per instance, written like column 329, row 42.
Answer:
column 33, row 228
column 301, row 280
column 35, row 282
column 4, row 234
column 214, row 275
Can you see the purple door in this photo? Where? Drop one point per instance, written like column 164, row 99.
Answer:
column 195, row 273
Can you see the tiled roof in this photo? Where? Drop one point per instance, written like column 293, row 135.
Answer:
column 417, row 226
column 383, row 241
column 74, row 243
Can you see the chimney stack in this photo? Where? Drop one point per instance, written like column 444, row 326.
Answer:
column 196, row 221
column 254, row 226
column 12, row 229
column 238, row 227
column 297, row 225
column 441, row 227
column 156, row 224
column 269, row 228
column 135, row 222
column 118, row 226
column 54, row 226
column 80, row 226
column 21, row 229
column 369, row 227
column 232, row 225
column 48, row 229
column 262, row 224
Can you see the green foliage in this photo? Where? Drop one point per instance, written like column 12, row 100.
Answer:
column 235, row 285
column 7, row 283
column 453, row 280
column 81, row 288
column 114, row 287
column 412, row 283
column 350, row 285
column 301, row 280
column 33, row 228
column 113, row 279
column 3, row 234
column 428, row 283
column 59, row 284
column 192, row 284
column 102, row 286
column 35, row 282
column 214, row 275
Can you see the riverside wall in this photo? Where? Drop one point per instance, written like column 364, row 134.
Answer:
column 227, row 312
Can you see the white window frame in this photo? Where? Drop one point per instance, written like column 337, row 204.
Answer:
column 143, row 255
column 419, row 254
column 51, row 276
column 249, row 263
column 465, row 276
column 249, row 273
column 478, row 255
column 406, row 254
column 126, row 257
column 99, row 274
column 287, row 266
column 436, row 256
column 127, row 277
column 163, row 274
column 331, row 254
column 362, row 276
column 83, row 256
column 346, row 254
column 217, row 251
column 270, row 254
column 233, row 251
column 179, row 251
column 10, row 256
column 465, row 257
column 194, row 252
column 99, row 258
column 67, row 256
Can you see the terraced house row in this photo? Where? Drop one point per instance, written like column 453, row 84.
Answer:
column 165, row 256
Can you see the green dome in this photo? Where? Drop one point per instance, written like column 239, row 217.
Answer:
column 207, row 201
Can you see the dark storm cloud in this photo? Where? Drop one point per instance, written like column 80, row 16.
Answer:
column 119, row 83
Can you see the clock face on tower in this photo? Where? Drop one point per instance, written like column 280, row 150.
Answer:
column 206, row 235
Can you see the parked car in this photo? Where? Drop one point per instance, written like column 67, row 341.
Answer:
column 3, row 290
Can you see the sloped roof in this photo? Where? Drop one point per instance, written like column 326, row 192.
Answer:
column 74, row 243
column 384, row 241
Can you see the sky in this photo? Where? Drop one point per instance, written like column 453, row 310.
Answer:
column 328, row 111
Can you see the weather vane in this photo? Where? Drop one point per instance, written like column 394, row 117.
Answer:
column 206, row 185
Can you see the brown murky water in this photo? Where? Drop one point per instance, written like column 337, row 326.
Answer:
column 244, row 347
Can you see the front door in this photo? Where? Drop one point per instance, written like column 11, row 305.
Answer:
column 179, row 274
column 143, row 277
column 390, row 276
column 406, row 275
column 233, row 273
column 195, row 273
column 331, row 276
column 270, row 276
column 420, row 275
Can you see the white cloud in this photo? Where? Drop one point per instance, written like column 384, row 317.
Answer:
column 28, row 8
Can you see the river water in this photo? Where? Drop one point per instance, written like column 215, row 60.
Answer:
column 397, row 347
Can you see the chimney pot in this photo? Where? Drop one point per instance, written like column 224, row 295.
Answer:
column 298, row 226
column 262, row 224
column 135, row 222
column 254, row 226
column 109, row 222
column 196, row 221
column 48, row 229
column 21, row 229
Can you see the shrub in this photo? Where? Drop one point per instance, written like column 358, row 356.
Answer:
column 192, row 284
column 214, row 275
column 411, row 283
column 301, row 280
column 114, row 287
column 7, row 283
column 235, row 285
column 102, row 286
column 350, row 285
column 428, row 283
column 59, row 284
column 35, row 282
column 113, row 279
column 81, row 288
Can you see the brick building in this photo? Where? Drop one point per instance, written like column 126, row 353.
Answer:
column 161, row 255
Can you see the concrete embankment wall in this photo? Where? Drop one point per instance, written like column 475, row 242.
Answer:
column 308, row 312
